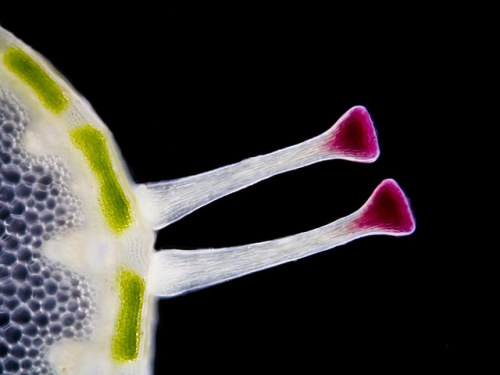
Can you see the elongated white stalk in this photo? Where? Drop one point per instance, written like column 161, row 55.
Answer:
column 352, row 137
column 177, row 271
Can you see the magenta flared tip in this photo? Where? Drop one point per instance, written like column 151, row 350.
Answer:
column 353, row 136
column 387, row 209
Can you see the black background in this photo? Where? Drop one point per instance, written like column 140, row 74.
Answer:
column 185, row 91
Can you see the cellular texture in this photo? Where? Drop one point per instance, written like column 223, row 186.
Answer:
column 47, row 90
column 40, row 302
column 114, row 203
column 65, row 195
column 125, row 342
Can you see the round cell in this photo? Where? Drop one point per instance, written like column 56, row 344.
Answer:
column 11, row 243
column 36, row 280
column 8, row 127
column 41, row 319
column 11, row 365
column 31, row 217
column 55, row 329
column 45, row 180
column 11, row 303
column 18, row 351
column 68, row 333
column 4, row 349
column 34, row 305
column 24, row 292
column 4, row 211
column 33, row 353
column 37, row 168
column 7, row 258
column 12, row 334
column 7, row 141
column 26, row 341
column 29, row 178
column 72, row 306
column 24, row 255
column 17, row 226
column 62, row 297
column 26, row 364
column 26, row 240
column 64, row 285
column 19, row 272
column 51, row 203
column 34, row 268
column 68, row 319
column 18, row 208
column 50, row 287
column 47, row 218
column 4, row 272
column 40, row 195
column 39, row 293
column 24, row 166
column 54, row 316
column 7, row 193
column 36, row 230
column 4, row 318
column 10, row 173
column 8, row 289
column 49, row 303
column 30, row 329
column 21, row 315
column 5, row 158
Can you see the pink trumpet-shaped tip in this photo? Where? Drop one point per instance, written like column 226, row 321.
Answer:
column 353, row 136
column 388, row 210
